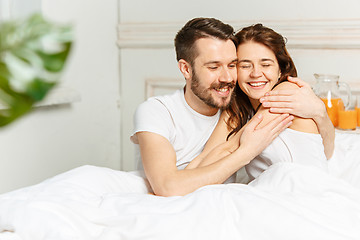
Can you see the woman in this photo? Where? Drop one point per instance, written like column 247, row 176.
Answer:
column 264, row 64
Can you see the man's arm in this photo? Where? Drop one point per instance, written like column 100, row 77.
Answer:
column 303, row 102
column 159, row 159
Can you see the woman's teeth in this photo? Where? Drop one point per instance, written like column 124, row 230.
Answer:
column 257, row 84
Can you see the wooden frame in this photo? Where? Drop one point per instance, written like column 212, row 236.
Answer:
column 302, row 34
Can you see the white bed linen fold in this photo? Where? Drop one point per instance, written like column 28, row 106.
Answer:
column 287, row 201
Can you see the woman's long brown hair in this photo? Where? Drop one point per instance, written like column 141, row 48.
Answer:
column 241, row 110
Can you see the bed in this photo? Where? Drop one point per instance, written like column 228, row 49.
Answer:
column 287, row 201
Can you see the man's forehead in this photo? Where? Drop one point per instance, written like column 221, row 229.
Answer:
column 213, row 50
column 210, row 42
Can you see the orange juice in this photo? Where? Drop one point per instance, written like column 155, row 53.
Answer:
column 347, row 119
column 358, row 116
column 332, row 107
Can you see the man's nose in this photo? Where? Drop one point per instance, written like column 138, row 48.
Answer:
column 226, row 75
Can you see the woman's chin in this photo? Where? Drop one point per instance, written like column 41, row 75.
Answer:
column 256, row 96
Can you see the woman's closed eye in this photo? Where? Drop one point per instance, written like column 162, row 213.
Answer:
column 245, row 66
column 267, row 63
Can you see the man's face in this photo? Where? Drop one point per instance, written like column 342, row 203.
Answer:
column 214, row 73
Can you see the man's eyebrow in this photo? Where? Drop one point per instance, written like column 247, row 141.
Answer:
column 217, row 62
column 212, row 62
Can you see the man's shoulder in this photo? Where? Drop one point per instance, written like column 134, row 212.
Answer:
column 161, row 106
column 162, row 101
column 157, row 114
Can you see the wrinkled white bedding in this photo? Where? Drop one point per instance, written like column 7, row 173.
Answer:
column 287, row 201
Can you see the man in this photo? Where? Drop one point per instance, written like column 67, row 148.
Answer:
column 171, row 130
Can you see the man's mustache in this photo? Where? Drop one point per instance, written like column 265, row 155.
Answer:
column 231, row 85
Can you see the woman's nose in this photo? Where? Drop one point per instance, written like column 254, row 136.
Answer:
column 256, row 72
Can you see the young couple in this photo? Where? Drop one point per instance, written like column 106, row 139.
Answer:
column 241, row 93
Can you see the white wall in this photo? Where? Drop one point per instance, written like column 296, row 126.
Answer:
column 55, row 139
column 228, row 10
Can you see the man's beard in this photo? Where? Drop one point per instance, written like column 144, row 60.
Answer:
column 205, row 93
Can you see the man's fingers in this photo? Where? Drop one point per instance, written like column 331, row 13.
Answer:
column 254, row 122
column 283, row 124
column 281, row 127
column 279, row 121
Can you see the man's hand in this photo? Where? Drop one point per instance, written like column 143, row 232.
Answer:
column 256, row 140
column 301, row 102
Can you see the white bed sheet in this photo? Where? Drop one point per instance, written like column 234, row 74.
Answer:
column 287, row 201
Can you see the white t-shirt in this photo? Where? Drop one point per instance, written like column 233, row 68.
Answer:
column 171, row 117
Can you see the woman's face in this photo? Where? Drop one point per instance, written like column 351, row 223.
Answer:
column 258, row 70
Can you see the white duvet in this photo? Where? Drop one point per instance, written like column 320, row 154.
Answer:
column 287, row 201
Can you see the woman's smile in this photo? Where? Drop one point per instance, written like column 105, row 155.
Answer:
column 258, row 85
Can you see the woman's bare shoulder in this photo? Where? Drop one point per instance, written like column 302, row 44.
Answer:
column 286, row 85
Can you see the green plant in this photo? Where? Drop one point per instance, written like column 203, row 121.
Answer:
column 33, row 53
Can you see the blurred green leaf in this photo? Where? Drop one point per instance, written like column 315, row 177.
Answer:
column 33, row 52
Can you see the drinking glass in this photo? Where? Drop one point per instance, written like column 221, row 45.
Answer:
column 348, row 117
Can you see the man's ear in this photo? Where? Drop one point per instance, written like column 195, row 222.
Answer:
column 185, row 68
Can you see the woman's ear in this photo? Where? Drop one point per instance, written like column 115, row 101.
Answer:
column 185, row 68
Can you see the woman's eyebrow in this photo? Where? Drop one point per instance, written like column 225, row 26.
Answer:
column 267, row 59
column 244, row 60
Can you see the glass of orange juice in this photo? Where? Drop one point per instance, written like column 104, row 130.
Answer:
column 348, row 118
column 333, row 106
